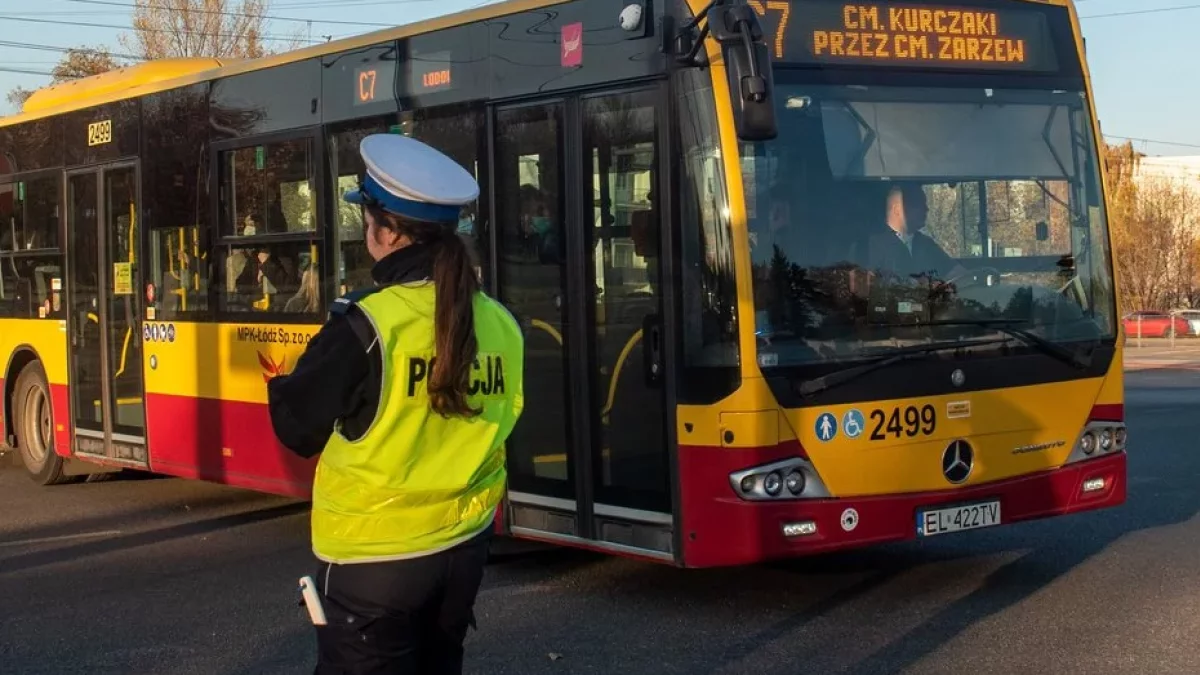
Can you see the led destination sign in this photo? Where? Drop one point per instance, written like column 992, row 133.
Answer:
column 375, row 82
column 913, row 35
column 430, row 72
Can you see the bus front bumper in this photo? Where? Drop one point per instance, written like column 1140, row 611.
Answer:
column 720, row 528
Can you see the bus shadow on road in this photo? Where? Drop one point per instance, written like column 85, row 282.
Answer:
column 194, row 502
column 1160, row 494
column 118, row 542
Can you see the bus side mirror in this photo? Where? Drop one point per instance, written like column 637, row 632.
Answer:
column 1043, row 231
column 751, row 85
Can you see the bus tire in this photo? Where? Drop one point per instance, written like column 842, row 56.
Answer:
column 33, row 416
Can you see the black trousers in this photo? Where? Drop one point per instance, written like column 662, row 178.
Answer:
column 401, row 617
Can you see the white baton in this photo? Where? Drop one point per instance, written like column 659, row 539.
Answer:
column 308, row 589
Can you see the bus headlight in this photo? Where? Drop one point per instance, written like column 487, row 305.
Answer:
column 1088, row 443
column 767, row 482
column 748, row 483
column 1099, row 438
column 773, row 483
column 795, row 482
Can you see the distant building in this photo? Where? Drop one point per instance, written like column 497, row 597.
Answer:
column 1185, row 169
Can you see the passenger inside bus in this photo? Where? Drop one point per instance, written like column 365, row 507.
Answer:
column 308, row 299
column 538, row 228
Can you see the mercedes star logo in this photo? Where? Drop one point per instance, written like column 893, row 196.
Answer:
column 957, row 461
column 958, row 378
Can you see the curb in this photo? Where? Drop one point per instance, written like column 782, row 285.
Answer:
column 1162, row 365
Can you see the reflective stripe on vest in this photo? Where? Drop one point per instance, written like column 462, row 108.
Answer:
column 416, row 482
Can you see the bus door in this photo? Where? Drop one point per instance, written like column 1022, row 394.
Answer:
column 577, row 195
column 106, row 342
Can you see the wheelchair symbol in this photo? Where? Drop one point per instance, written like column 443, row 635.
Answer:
column 852, row 423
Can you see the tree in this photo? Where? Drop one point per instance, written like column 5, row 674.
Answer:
column 75, row 63
column 163, row 29
column 83, row 62
column 1154, row 222
column 1120, row 168
column 18, row 96
column 199, row 28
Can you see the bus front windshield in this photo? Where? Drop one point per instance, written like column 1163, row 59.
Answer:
column 883, row 217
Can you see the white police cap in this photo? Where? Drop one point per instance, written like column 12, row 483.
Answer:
column 411, row 179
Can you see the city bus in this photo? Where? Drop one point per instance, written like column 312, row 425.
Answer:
column 794, row 276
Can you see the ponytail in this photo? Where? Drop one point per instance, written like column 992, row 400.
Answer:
column 455, row 283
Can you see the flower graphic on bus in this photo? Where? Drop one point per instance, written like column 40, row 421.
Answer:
column 272, row 369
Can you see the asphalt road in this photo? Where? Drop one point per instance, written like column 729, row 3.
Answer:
column 165, row 576
column 1161, row 353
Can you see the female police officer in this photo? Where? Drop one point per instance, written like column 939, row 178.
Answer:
column 408, row 392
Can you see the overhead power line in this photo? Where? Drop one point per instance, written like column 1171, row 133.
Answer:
column 1131, row 12
column 148, row 30
column 349, row 3
column 26, row 71
column 1150, row 140
column 63, row 50
column 241, row 14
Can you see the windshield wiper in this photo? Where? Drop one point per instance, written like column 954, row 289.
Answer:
column 840, row 377
column 1075, row 357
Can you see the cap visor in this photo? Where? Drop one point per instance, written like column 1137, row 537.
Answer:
column 354, row 197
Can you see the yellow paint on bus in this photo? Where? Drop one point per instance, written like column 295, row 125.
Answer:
column 220, row 361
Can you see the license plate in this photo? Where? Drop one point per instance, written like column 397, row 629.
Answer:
column 958, row 518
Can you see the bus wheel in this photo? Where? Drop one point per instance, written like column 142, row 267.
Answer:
column 34, row 426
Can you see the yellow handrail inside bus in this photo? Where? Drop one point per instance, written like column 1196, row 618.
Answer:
column 612, row 381
column 124, row 352
column 198, row 256
column 538, row 323
column 132, row 261
column 132, row 231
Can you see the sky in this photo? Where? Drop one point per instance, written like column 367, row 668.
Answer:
column 1139, row 51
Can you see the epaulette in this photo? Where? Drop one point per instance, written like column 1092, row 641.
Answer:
column 343, row 304
column 346, row 305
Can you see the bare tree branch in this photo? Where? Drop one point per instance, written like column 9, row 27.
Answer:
column 202, row 28
column 1154, row 225
column 75, row 63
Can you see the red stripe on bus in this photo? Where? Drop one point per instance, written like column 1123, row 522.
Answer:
column 60, row 398
column 1108, row 412
column 228, row 442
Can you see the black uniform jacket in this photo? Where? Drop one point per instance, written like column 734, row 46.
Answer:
column 885, row 251
column 337, row 377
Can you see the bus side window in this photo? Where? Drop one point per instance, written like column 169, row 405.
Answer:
column 179, row 272
column 351, row 267
column 268, row 227
column 29, row 255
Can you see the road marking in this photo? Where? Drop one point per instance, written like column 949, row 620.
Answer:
column 65, row 537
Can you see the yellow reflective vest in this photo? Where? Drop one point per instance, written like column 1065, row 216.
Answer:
column 416, row 482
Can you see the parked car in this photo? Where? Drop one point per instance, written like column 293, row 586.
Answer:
column 1192, row 316
column 1155, row 324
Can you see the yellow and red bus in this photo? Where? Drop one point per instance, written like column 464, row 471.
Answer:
column 795, row 275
